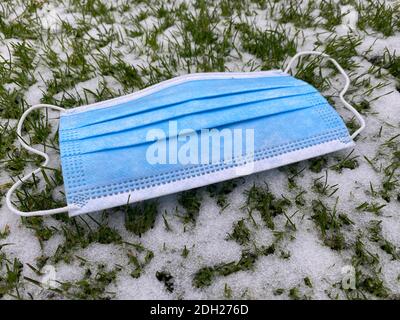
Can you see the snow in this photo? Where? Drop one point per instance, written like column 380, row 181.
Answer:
column 207, row 239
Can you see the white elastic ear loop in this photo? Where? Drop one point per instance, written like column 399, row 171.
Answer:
column 46, row 161
column 344, row 90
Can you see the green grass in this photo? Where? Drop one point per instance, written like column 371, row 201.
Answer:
column 375, row 230
column 271, row 46
column 191, row 202
column 331, row 12
column 267, row 204
column 167, row 279
column 298, row 13
column 140, row 218
column 329, row 224
column 92, row 286
column 139, row 257
column 221, row 191
column 379, row 16
column 240, row 233
column 10, row 281
column 368, row 281
column 322, row 187
column 205, row 276
column 114, row 45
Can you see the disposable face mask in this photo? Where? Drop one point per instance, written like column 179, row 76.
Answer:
column 189, row 132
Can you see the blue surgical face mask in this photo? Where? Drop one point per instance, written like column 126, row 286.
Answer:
column 160, row 140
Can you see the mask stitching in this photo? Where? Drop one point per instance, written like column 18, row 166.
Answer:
column 332, row 119
column 172, row 176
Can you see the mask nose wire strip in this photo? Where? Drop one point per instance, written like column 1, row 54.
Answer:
column 344, row 90
column 19, row 182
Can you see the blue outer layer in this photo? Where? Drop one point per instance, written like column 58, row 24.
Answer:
column 103, row 151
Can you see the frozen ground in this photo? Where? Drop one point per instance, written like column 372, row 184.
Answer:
column 231, row 240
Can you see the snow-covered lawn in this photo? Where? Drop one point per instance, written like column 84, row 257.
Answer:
column 290, row 233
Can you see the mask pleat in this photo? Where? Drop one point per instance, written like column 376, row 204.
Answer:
column 177, row 94
column 175, row 112
column 207, row 120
